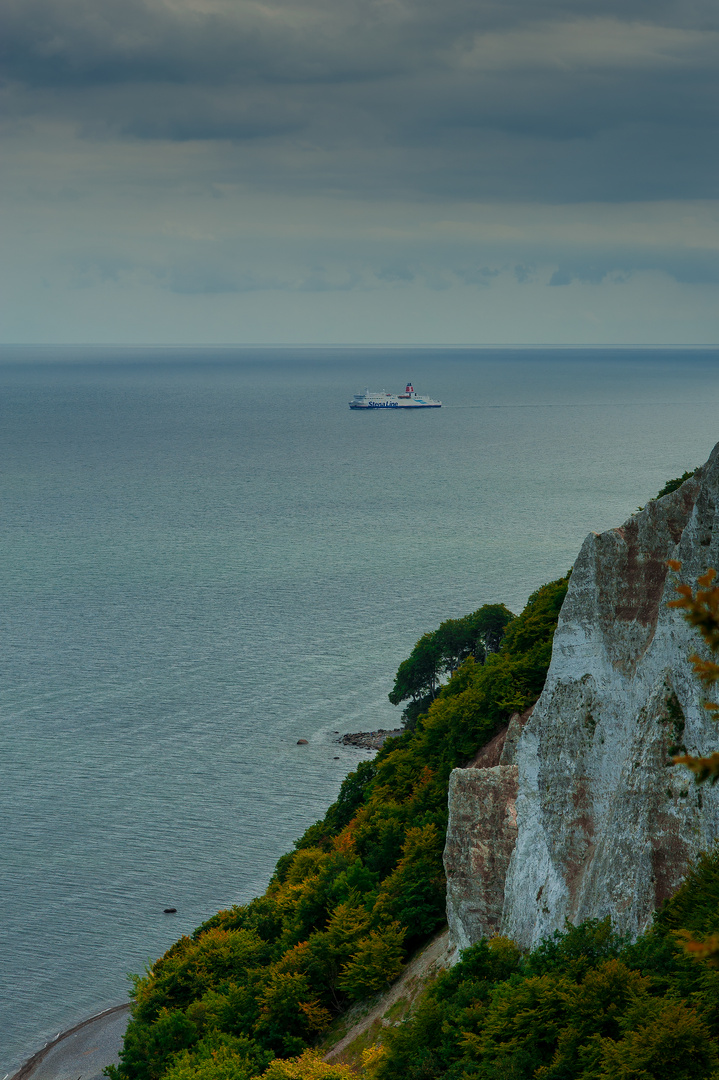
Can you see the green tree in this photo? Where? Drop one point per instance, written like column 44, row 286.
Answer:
column 219, row 1057
column 521, row 1027
column 309, row 1066
column 672, row 485
column 673, row 1043
column 289, row 1014
column 418, row 676
column 445, row 648
column 329, row 950
column 414, row 893
column 376, row 963
column 191, row 967
column 147, row 1050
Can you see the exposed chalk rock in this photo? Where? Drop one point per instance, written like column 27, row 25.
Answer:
column 603, row 825
column 515, row 728
column 481, row 835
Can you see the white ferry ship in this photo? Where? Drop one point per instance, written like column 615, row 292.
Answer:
column 408, row 400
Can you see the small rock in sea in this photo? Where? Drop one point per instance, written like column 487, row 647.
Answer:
column 169, row 911
column 302, row 742
column 336, row 758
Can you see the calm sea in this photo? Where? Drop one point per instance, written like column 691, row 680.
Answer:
column 206, row 556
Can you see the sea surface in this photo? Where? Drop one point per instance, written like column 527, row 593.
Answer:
column 206, row 556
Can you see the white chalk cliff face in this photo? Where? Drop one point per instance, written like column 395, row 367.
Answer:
column 593, row 820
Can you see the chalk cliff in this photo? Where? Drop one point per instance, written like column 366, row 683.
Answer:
column 578, row 815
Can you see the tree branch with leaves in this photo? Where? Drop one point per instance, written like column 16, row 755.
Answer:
column 701, row 610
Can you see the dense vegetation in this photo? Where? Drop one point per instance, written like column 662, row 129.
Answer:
column 585, row 1005
column 442, row 651
column 362, row 889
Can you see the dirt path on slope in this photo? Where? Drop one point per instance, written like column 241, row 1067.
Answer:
column 365, row 1028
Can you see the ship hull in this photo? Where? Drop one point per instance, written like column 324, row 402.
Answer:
column 395, row 405
column 410, row 399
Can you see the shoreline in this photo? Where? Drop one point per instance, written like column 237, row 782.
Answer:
column 365, row 740
column 38, row 1057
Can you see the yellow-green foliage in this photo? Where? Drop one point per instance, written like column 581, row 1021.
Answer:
column 376, row 963
column 363, row 888
column 309, row 1066
column 586, row 1005
column 218, row 1057
column 227, row 1059
column 701, row 610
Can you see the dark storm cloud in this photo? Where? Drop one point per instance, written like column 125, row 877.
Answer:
column 94, row 42
column 98, row 41
column 562, row 101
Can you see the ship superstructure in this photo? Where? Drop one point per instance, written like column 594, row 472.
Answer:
column 410, row 399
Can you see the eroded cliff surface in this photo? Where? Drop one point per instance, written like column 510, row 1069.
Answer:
column 588, row 819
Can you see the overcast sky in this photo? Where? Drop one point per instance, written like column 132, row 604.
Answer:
column 360, row 171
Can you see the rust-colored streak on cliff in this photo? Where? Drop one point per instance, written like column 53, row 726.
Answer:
column 631, row 574
column 481, row 835
column 580, row 831
column 642, row 582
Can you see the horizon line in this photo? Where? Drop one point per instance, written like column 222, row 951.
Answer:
column 352, row 345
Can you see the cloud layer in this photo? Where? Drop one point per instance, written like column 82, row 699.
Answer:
column 256, row 123
column 585, row 101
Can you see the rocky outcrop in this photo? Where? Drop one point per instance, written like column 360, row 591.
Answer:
column 370, row 740
column 481, row 836
column 598, row 821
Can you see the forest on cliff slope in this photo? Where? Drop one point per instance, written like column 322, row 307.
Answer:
column 362, row 890
column 585, row 1005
